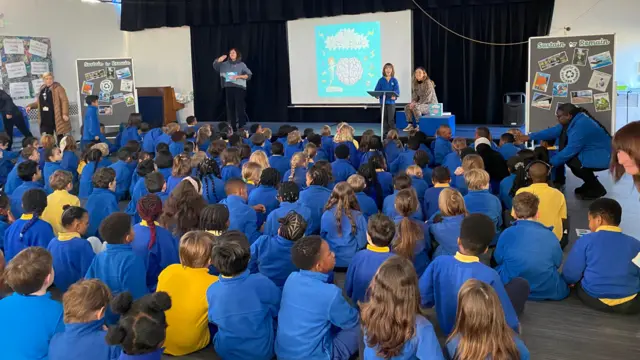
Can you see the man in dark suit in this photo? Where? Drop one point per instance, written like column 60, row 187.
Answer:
column 11, row 116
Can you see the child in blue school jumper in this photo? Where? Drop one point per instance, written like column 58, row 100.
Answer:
column 481, row 325
column 476, row 233
column 380, row 232
column 321, row 153
column 135, row 176
column 400, row 182
column 405, row 158
column 315, row 321
column 383, row 177
column 507, row 183
column 530, row 250
column 13, row 180
column 480, row 200
column 470, row 160
column 327, row 141
column 392, row 146
column 153, row 243
column 102, row 202
column 94, row 162
column 230, row 164
column 341, row 168
column 243, row 217
column 603, row 265
column 5, row 217
column 412, row 237
column 144, row 168
column 70, row 159
column 288, row 195
column 266, row 194
column 442, row 145
column 277, row 160
column 380, row 315
column 421, row 159
column 444, row 225
column 419, row 181
column 91, row 124
column 30, row 174
column 240, row 301
column 176, row 146
column 164, row 163
column 507, row 147
column 155, row 184
column 294, row 144
column 124, row 173
column 271, row 254
column 149, row 139
column 298, row 171
column 258, row 143
column 30, row 318
column 345, row 232
column 47, row 142
column 440, row 177
column 245, row 154
column 84, row 306
column 180, row 170
column 72, row 254
column 367, row 203
column 453, row 160
column 132, row 131
column 316, row 195
column 251, row 172
column 118, row 266
column 140, row 340
column 7, row 158
column 28, row 230
column 212, row 185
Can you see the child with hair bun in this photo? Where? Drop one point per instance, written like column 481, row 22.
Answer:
column 298, row 171
column 141, row 330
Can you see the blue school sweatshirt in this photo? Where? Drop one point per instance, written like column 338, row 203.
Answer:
column 341, row 170
column 162, row 138
column 601, row 262
column 272, row 225
column 402, row 162
column 388, row 85
column 391, row 151
column 363, row 267
column 100, row 204
column 172, row 182
column 28, row 324
column 386, row 182
column 244, row 308
column 315, row 197
column 508, row 150
column 149, row 140
column 130, row 133
column 157, row 257
column 13, row 181
column 422, row 248
column 79, row 340
column 529, row 250
column 365, row 156
column 321, row 154
column 4, row 225
column 213, row 189
column 452, row 161
column 70, row 163
column 483, row 202
column 346, row 243
column 121, row 270
column 267, row 196
column 139, row 190
column 230, row 172
column 242, row 217
column 421, row 185
column 423, row 345
column 42, row 160
column 134, row 180
column 389, row 208
column 309, row 312
column 279, row 163
column 452, row 346
column 439, row 286
column 354, row 159
column 91, row 125
column 38, row 234
column 446, row 234
column 49, row 169
column 72, row 255
column 18, row 193
column 264, row 148
column 6, row 164
column 124, row 174
column 176, row 148
column 367, row 205
column 505, row 187
column 166, row 172
column 441, row 148
column 327, row 145
column 431, row 196
column 299, row 177
column 86, row 185
column 289, row 149
column 460, row 184
column 271, row 257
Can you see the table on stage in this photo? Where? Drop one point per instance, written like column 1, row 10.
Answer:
column 428, row 124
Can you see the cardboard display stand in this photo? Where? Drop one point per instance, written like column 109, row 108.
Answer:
column 575, row 69
column 23, row 60
column 113, row 81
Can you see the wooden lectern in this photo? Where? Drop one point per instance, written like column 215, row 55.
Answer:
column 158, row 105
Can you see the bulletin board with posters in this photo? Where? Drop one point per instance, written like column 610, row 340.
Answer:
column 112, row 80
column 575, row 69
column 24, row 59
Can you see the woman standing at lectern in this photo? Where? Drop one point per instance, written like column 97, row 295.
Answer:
column 423, row 93
column 234, row 75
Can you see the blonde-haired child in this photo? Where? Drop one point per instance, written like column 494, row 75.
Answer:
column 480, row 200
column 294, row 144
column 298, row 171
column 230, row 159
column 453, row 160
column 61, row 182
column 310, row 150
column 444, row 227
column 260, row 157
column 251, row 173
column 469, row 162
column 418, row 181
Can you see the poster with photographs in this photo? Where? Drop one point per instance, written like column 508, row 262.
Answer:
column 570, row 69
column 105, row 78
column 23, row 60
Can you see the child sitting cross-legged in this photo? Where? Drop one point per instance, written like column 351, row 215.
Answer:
column 392, row 323
column 155, row 184
column 13, row 180
column 444, row 226
column 180, row 170
column 443, row 278
column 6, row 218
column 419, row 181
column 251, row 173
column 277, row 160
column 271, row 254
column 124, row 173
column 480, row 200
column 288, row 195
column 243, row 217
column 481, row 331
column 30, row 174
column 442, row 145
column 600, row 263
column 441, row 178
column 30, row 318
column 266, row 193
column 29, row 230
column 85, row 304
column 470, row 160
column 410, row 239
column 139, row 189
column 530, row 250
column 341, row 168
column 241, row 301
column 230, row 158
column 298, row 171
column 103, row 201
column 507, row 147
column 53, row 157
column 358, row 184
column 61, row 182
column 315, row 321
column 187, row 284
column 212, row 185
column 380, row 232
column 316, row 195
column 400, row 182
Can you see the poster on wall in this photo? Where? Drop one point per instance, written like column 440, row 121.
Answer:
column 112, row 80
column 24, row 59
column 570, row 69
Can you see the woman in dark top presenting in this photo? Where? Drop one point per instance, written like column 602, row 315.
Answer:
column 11, row 116
column 234, row 75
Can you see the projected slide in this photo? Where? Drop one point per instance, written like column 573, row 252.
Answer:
column 348, row 59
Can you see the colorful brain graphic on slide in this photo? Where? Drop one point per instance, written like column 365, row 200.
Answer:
column 348, row 59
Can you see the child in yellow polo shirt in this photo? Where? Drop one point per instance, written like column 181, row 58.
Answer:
column 553, row 206
column 187, row 284
column 61, row 182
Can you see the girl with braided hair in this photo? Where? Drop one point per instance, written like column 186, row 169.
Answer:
column 153, row 243
column 298, row 171
column 271, row 254
column 212, row 185
column 288, row 195
column 29, row 230
column 343, row 225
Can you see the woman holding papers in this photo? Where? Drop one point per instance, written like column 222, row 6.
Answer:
column 53, row 107
column 234, row 75
column 423, row 94
column 388, row 82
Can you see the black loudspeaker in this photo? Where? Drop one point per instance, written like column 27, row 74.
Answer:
column 513, row 109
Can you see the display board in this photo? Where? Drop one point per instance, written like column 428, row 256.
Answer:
column 113, row 81
column 24, row 59
column 575, row 69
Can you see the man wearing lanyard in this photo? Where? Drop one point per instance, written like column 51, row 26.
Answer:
column 11, row 115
